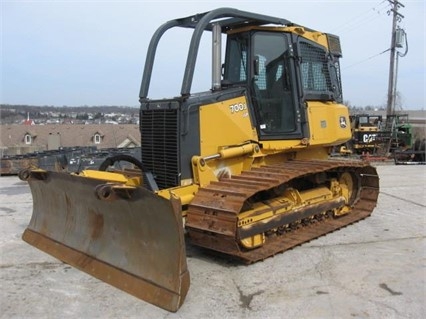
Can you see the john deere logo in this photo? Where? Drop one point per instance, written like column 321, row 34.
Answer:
column 342, row 121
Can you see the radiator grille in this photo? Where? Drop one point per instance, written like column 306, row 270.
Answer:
column 160, row 145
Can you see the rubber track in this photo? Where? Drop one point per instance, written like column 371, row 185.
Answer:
column 221, row 202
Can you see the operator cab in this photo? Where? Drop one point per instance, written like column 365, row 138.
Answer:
column 282, row 72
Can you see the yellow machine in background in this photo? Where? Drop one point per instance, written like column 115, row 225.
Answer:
column 366, row 132
column 245, row 163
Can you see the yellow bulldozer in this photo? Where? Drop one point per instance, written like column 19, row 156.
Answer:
column 242, row 169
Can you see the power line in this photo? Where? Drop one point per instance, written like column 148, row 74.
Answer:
column 367, row 59
column 363, row 18
column 362, row 22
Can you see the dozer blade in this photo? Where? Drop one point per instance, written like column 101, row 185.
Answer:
column 129, row 238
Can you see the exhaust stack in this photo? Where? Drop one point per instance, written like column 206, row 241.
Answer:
column 216, row 57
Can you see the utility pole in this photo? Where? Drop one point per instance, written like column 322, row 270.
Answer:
column 392, row 72
column 388, row 135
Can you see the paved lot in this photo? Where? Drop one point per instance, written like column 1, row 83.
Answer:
column 372, row 269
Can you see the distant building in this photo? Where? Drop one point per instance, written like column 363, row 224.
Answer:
column 28, row 121
column 22, row 139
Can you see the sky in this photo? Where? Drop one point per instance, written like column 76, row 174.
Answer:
column 74, row 53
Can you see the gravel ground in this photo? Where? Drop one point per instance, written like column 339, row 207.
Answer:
column 372, row 269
